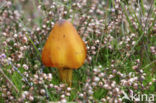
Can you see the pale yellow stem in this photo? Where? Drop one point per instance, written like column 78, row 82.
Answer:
column 66, row 75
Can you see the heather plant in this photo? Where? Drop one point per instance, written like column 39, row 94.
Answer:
column 120, row 37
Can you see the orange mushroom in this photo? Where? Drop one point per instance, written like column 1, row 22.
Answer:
column 64, row 49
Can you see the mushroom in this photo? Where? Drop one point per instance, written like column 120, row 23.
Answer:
column 64, row 50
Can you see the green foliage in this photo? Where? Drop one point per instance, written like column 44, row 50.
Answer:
column 114, row 51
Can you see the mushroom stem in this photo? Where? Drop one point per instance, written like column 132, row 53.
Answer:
column 66, row 75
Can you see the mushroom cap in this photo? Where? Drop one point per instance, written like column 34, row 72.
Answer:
column 64, row 47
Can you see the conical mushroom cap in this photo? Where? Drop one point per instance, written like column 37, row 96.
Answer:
column 64, row 48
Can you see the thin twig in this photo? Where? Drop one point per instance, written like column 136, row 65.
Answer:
column 7, row 78
column 149, row 64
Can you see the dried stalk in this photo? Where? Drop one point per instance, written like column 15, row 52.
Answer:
column 10, row 82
